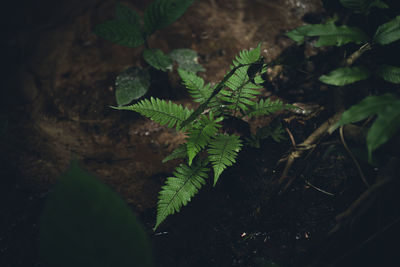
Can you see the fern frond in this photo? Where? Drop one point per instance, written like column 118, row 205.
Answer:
column 242, row 97
column 241, row 84
column 247, row 56
column 222, row 153
column 160, row 111
column 179, row 189
column 162, row 13
column 195, row 85
column 179, row 153
column 201, row 135
column 265, row 107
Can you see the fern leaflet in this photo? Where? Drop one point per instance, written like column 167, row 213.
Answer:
column 242, row 83
column 222, row 153
column 179, row 153
column 160, row 111
column 265, row 107
column 200, row 135
column 195, row 85
column 179, row 189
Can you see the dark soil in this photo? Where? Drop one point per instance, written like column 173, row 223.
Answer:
column 57, row 88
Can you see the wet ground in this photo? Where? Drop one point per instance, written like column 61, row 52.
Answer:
column 61, row 82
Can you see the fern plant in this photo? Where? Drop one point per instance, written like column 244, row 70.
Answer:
column 207, row 146
column 385, row 106
column 130, row 30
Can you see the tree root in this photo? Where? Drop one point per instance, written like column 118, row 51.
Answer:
column 388, row 175
column 309, row 143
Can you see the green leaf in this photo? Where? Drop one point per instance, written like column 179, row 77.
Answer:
column 120, row 32
column 389, row 32
column 346, row 75
column 187, row 59
column 329, row 34
column 384, row 127
column 179, row 189
column 179, row 153
column 162, row 13
column 251, row 56
column 379, row 4
column 387, row 107
column 131, row 84
column 266, row 107
column 367, row 107
column 126, row 14
column 299, row 33
column 195, row 85
column 363, row 6
column 157, row 59
column 242, row 91
column 85, row 224
column 201, row 134
column 160, row 111
column 389, row 73
column 223, row 152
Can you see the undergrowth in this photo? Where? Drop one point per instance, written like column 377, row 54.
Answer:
column 385, row 107
column 208, row 147
column 131, row 30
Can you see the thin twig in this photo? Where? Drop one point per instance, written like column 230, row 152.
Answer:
column 352, row 157
column 291, row 136
column 319, row 189
column 356, row 204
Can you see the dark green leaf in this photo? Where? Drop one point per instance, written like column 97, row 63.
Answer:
column 180, row 189
column 162, row 13
column 86, row 224
column 383, row 128
column 363, row 6
column 195, row 85
column 131, row 84
column 387, row 109
column 299, row 33
column 120, row 32
column 367, row 107
column 125, row 14
column 343, row 76
column 161, row 111
column 222, row 153
column 329, row 34
column 157, row 59
column 389, row 32
column 187, row 59
column 389, row 73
